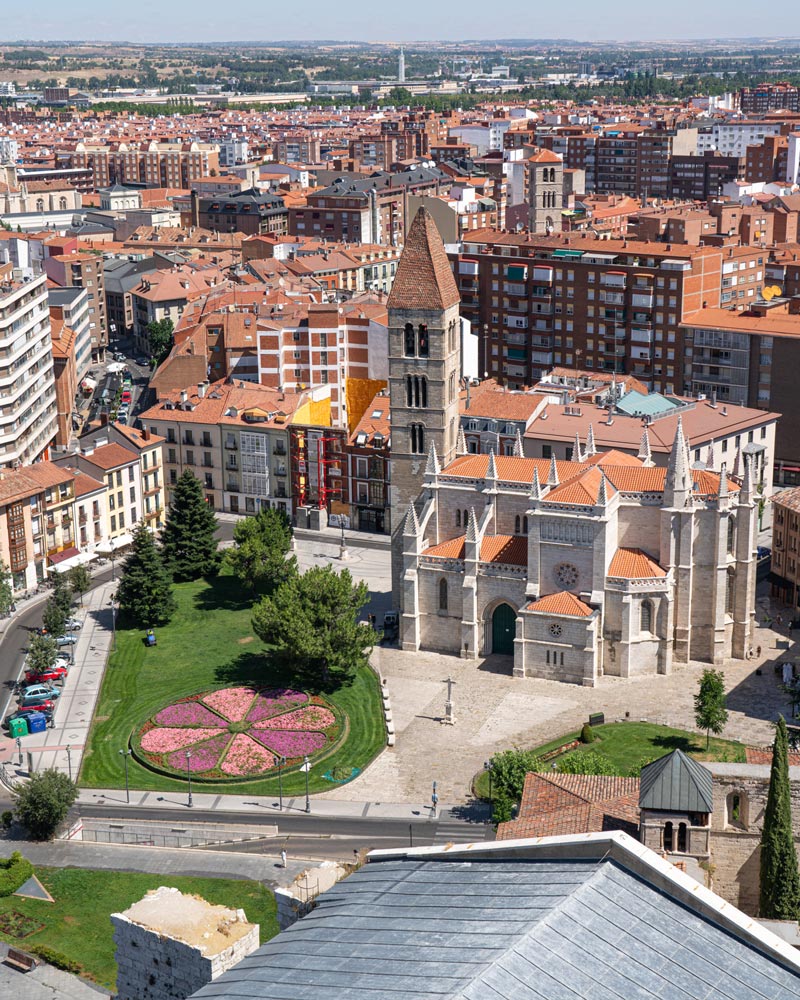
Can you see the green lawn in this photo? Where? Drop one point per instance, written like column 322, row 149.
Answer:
column 209, row 644
column 628, row 744
column 78, row 923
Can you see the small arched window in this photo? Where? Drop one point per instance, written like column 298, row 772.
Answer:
column 668, row 836
column 730, row 580
column 682, row 841
column 736, row 810
column 417, row 439
column 466, row 519
column 62, row 204
column 525, row 525
column 517, row 524
column 458, row 518
column 422, row 341
column 410, row 341
column 443, row 595
column 40, row 204
column 731, row 534
column 646, row 617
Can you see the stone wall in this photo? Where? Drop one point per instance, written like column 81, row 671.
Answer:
column 169, row 945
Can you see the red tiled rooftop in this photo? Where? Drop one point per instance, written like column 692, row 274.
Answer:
column 633, row 564
column 562, row 603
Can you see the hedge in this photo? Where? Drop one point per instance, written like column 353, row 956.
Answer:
column 14, row 871
column 55, row 958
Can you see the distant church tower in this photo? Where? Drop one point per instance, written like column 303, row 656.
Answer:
column 424, row 366
column 401, row 67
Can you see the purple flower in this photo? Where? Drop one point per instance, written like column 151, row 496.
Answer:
column 246, row 757
column 269, row 703
column 290, row 743
column 204, row 757
column 188, row 713
column 161, row 740
column 310, row 717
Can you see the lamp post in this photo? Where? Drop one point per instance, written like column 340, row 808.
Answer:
column 489, row 767
column 69, row 761
column 19, row 750
column 434, row 799
column 112, row 548
column 113, row 623
column 343, row 553
column 125, row 754
column 280, row 763
column 307, row 768
column 189, row 775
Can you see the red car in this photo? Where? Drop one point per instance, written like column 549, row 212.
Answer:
column 55, row 673
column 126, row 396
column 49, row 706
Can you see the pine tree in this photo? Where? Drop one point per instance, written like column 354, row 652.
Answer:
column 187, row 542
column 780, row 883
column 145, row 591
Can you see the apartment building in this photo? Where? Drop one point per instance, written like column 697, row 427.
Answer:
column 71, row 307
column 769, row 97
column 84, row 270
column 300, row 148
column 40, row 507
column 702, row 177
column 251, row 212
column 118, row 468
column 368, row 465
column 768, row 161
column 785, row 563
column 153, row 164
column 607, row 305
column 28, row 414
column 164, row 294
column 234, row 438
column 65, row 376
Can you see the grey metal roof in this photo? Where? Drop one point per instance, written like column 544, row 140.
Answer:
column 676, row 783
column 505, row 929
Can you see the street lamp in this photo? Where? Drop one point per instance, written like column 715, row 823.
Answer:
column 280, row 763
column 307, row 768
column 189, row 775
column 434, row 799
column 19, row 750
column 125, row 755
column 489, row 767
column 69, row 761
column 113, row 623
column 343, row 553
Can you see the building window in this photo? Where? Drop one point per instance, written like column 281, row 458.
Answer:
column 410, row 341
column 422, row 340
column 730, row 579
column 668, row 836
column 731, row 534
column 443, row 595
column 525, row 525
column 646, row 617
column 517, row 524
column 417, row 439
column 416, row 391
column 458, row 518
column 736, row 810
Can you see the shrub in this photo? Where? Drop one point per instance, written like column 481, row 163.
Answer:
column 502, row 808
column 13, row 872
column 43, row 802
column 55, row 958
column 7, row 818
column 587, row 734
column 586, row 762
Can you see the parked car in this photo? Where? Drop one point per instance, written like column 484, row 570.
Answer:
column 73, row 625
column 42, row 690
column 66, row 640
column 49, row 676
column 126, row 396
column 143, row 362
column 32, row 700
column 22, row 713
column 62, row 656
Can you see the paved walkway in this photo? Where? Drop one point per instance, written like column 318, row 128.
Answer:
column 62, row 746
column 44, row 983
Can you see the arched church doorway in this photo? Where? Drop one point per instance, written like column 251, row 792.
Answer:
column 503, row 629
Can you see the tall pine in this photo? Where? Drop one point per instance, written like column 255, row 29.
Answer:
column 187, row 541
column 780, row 883
column 145, row 590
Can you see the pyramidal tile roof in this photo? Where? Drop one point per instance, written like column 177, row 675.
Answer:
column 582, row 490
column 676, row 783
column 424, row 278
column 562, row 603
column 633, row 564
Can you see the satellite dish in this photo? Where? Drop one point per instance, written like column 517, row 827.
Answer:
column 767, row 293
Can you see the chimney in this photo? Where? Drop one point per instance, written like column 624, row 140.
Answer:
column 184, row 395
column 145, row 434
column 201, row 389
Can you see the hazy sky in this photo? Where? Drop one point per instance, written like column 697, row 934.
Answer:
column 407, row 20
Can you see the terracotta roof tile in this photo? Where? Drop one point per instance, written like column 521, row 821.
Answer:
column 424, row 278
column 581, row 490
column 512, row 549
column 111, row 456
column 562, row 603
column 633, row 564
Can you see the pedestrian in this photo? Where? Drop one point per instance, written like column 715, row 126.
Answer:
column 758, row 651
column 283, row 859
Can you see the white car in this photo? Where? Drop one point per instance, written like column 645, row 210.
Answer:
column 73, row 625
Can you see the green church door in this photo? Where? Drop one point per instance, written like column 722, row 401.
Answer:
column 503, row 629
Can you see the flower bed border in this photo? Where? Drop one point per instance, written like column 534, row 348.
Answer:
column 340, row 730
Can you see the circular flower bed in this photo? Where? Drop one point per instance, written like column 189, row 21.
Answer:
column 237, row 732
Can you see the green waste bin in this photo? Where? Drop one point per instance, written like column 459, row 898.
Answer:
column 18, row 727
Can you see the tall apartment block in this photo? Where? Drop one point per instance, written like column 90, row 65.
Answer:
column 28, row 421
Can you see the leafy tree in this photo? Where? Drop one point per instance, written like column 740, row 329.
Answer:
column 187, row 542
column 41, row 653
column 54, row 617
column 159, row 338
column 80, row 580
column 586, row 762
column 509, row 769
column 710, row 712
column 43, row 802
column 780, row 883
column 145, row 590
column 6, row 589
column 261, row 545
column 62, row 592
column 313, row 621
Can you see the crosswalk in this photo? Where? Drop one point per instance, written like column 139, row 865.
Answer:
column 449, row 831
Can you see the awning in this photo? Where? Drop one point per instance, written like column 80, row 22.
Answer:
column 59, row 557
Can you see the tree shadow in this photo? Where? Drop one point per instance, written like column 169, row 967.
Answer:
column 270, row 668
column 761, row 696
column 679, row 743
column 497, row 664
column 474, row 811
column 225, row 593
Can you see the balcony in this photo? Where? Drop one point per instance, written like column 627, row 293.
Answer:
column 208, row 464
column 82, row 518
column 231, row 445
column 232, row 486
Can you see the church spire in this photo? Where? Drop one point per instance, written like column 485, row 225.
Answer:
column 424, row 278
column 491, row 466
column 432, row 468
column 461, row 445
column 644, row 448
column 411, row 524
column 536, row 486
column 552, row 478
column 518, row 450
column 576, row 449
column 602, row 493
column 591, row 448
column 678, row 483
column 472, row 526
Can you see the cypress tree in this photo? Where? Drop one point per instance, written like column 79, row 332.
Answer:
column 187, row 542
column 145, row 591
column 780, row 883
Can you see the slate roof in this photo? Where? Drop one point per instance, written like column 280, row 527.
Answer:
column 505, row 928
column 676, row 783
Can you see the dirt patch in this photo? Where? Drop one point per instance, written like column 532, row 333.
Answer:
column 247, row 638
column 18, row 925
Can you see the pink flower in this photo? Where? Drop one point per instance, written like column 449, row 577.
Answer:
column 204, row 756
column 188, row 713
column 232, row 703
column 311, row 717
column 288, row 743
column 246, row 757
column 162, row 740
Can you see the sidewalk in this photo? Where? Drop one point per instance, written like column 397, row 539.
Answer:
column 62, row 746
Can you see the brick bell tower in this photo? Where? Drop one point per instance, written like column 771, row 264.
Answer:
column 424, row 371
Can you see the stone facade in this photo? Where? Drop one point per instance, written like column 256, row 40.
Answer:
column 169, row 945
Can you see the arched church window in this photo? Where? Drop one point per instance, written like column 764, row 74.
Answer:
column 731, row 534
column 668, row 836
column 417, row 439
column 517, row 524
column 458, row 518
column 646, row 617
column 443, row 595
column 410, row 341
column 423, row 347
